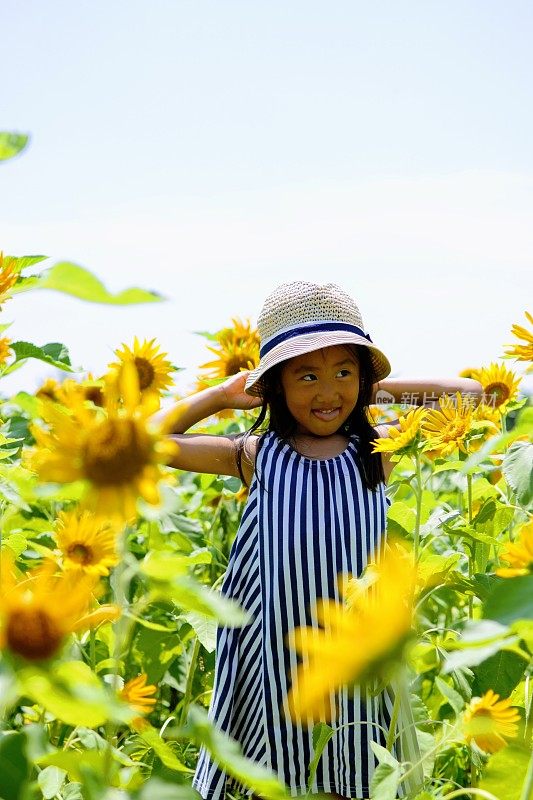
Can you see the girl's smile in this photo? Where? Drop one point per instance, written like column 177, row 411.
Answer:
column 321, row 389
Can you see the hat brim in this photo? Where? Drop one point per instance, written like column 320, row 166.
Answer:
column 308, row 342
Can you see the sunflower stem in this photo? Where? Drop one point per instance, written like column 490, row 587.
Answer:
column 190, row 678
column 418, row 505
column 472, row 556
column 391, row 735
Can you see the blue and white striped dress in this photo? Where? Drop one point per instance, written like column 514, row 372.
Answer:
column 313, row 519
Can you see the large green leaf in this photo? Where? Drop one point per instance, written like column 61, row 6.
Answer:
column 50, row 781
column 73, row 694
column 14, row 767
column 505, row 773
column 53, row 353
column 518, row 471
column 511, row 599
column 228, row 753
column 11, row 144
column 386, row 777
column 500, row 672
column 79, row 282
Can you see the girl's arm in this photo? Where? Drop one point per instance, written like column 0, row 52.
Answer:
column 426, row 391
column 199, row 452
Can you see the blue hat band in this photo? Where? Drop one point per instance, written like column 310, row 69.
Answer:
column 314, row 328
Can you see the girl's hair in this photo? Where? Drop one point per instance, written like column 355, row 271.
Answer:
column 283, row 423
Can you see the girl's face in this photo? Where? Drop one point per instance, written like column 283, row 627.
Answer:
column 321, row 389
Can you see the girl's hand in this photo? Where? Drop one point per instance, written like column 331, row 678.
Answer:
column 233, row 394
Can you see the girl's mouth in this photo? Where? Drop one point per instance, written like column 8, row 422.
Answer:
column 326, row 414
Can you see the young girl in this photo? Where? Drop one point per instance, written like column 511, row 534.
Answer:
column 316, row 508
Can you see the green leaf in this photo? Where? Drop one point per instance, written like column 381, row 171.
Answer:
column 18, row 263
column 79, row 282
column 500, row 672
column 386, row 777
column 163, row 751
column 156, row 788
column 505, row 773
column 400, row 519
column 53, row 353
column 50, row 781
column 452, row 696
column 14, row 767
column 73, row 694
column 511, row 600
column 11, row 144
column 72, row 761
column 228, row 753
column 518, row 471
column 322, row 733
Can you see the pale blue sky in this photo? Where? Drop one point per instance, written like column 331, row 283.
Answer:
column 212, row 150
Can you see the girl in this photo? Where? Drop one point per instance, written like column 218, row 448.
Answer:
column 316, row 508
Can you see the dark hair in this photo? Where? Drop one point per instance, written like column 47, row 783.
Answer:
column 280, row 419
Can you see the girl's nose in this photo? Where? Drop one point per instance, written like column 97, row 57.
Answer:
column 327, row 391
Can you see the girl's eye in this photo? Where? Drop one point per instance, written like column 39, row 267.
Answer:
column 309, row 375
column 345, row 371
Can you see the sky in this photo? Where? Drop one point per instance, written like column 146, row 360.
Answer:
column 211, row 150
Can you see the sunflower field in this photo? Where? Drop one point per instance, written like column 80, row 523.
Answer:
column 111, row 565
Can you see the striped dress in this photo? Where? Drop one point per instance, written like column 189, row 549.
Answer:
column 305, row 521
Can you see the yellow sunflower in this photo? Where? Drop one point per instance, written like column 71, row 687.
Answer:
column 48, row 389
column 152, row 369
column 403, row 438
column 115, row 450
column 500, row 386
column 237, row 349
column 489, row 722
column 139, row 695
column 8, row 278
column 447, row 429
column 5, row 350
column 522, row 352
column 518, row 554
column 40, row 609
column 87, row 543
column 378, row 617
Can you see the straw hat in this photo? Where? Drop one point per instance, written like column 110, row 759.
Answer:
column 299, row 317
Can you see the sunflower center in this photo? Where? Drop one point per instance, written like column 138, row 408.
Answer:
column 455, row 430
column 95, row 395
column 116, row 453
column 80, row 553
column 145, row 371
column 498, row 393
column 234, row 363
column 32, row 633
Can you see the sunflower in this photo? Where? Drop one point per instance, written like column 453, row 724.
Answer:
column 401, row 440
column 500, row 386
column 115, row 450
column 8, row 278
column 87, row 543
column 48, row 389
column 152, row 369
column 237, row 349
column 447, row 429
column 522, row 352
column 39, row 610
column 377, row 616
column 138, row 694
column 489, row 722
column 519, row 555
column 5, row 350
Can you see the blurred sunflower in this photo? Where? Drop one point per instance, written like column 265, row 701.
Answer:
column 8, row 277
column 115, row 450
column 489, row 722
column 522, row 352
column 152, row 369
column 40, row 609
column 237, row 349
column 139, row 695
column 378, row 617
column 402, row 440
column 87, row 543
column 518, row 554
column 447, row 429
column 5, row 351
